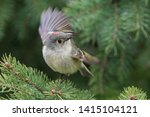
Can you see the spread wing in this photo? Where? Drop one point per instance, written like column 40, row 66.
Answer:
column 53, row 20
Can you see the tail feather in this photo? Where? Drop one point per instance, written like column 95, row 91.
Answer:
column 85, row 71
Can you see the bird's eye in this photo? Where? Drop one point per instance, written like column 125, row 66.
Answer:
column 60, row 41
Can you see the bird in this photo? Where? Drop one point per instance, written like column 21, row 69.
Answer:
column 59, row 49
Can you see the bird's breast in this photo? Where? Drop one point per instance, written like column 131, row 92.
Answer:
column 60, row 61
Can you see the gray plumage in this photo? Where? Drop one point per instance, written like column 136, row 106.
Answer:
column 59, row 50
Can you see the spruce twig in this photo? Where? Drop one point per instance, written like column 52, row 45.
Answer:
column 17, row 74
column 132, row 93
column 27, row 83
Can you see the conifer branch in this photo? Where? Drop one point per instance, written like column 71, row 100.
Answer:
column 132, row 93
column 22, row 82
column 8, row 66
column 101, row 74
column 116, row 20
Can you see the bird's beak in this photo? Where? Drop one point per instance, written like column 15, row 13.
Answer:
column 66, row 39
column 69, row 36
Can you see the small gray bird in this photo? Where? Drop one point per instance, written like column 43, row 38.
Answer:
column 59, row 50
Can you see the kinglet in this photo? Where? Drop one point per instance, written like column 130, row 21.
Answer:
column 59, row 50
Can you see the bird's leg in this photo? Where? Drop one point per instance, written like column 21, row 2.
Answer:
column 62, row 77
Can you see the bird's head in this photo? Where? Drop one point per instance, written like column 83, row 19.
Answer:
column 54, row 29
column 56, row 40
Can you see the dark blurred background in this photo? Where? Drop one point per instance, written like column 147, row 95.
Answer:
column 116, row 31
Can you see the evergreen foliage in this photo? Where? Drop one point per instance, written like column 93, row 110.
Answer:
column 6, row 9
column 116, row 31
column 120, row 31
column 133, row 93
column 20, row 82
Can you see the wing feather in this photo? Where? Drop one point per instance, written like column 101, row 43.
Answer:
column 53, row 20
column 84, row 57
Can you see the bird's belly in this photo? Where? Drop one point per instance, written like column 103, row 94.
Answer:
column 62, row 63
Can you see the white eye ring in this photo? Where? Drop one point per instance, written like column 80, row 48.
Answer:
column 59, row 41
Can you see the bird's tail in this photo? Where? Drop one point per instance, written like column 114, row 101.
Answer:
column 85, row 71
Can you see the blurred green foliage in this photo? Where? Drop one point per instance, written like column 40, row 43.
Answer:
column 116, row 31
